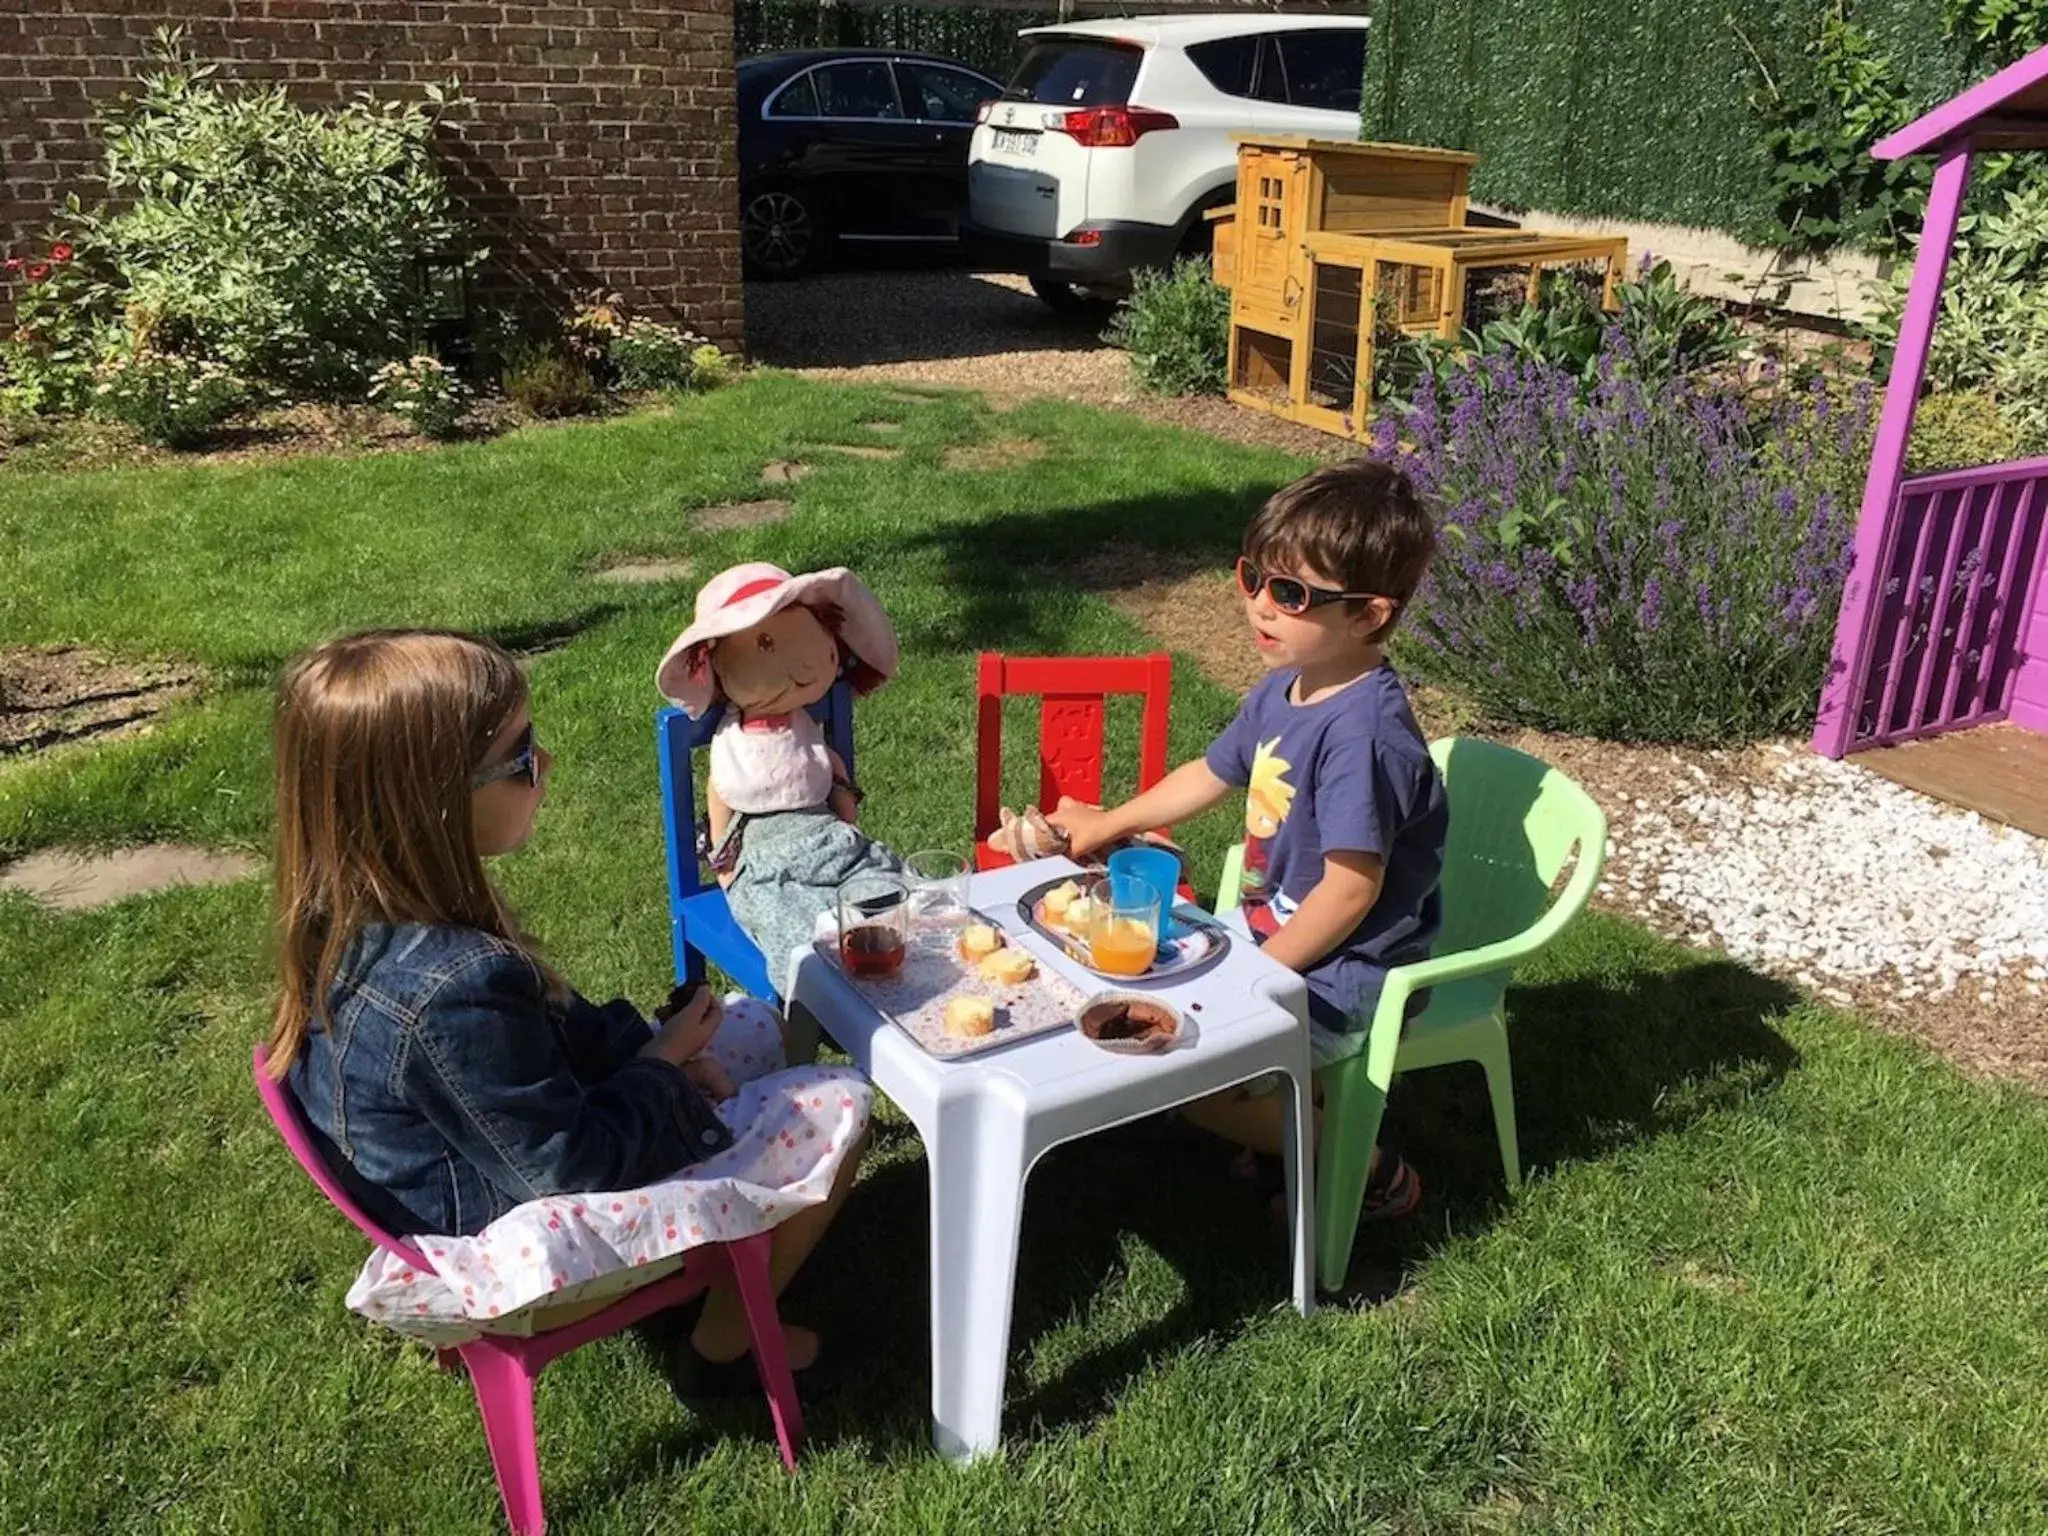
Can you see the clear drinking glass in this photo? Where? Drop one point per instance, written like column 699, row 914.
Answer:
column 1123, row 925
column 874, row 923
column 938, row 889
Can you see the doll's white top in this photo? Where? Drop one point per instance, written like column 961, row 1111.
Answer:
column 775, row 764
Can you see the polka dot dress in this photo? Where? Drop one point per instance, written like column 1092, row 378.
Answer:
column 792, row 1128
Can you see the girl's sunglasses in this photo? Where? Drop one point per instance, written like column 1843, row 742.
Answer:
column 524, row 763
column 1290, row 594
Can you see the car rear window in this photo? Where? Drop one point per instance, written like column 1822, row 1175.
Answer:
column 1076, row 72
column 1227, row 63
column 1324, row 70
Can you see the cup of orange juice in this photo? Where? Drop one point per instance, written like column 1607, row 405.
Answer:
column 1123, row 925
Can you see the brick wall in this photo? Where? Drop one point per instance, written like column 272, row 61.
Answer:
column 599, row 149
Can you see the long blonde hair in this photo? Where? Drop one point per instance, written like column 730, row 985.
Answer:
column 375, row 738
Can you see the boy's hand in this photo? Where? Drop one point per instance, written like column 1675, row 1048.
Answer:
column 1087, row 827
column 712, row 1080
column 688, row 1029
column 1187, row 791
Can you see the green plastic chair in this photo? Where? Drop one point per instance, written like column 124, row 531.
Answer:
column 1514, row 822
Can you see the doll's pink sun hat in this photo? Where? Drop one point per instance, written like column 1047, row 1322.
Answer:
column 737, row 599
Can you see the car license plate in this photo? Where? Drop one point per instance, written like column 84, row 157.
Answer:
column 1014, row 142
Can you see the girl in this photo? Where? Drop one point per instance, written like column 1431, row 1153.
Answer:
column 453, row 1074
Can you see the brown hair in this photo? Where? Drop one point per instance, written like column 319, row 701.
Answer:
column 1360, row 524
column 375, row 738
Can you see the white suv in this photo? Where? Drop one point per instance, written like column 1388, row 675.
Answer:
column 1114, row 137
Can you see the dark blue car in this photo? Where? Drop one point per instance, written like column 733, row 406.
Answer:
column 851, row 144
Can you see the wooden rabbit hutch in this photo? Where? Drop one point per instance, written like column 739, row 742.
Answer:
column 1331, row 245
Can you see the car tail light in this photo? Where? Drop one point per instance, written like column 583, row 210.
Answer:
column 981, row 112
column 1109, row 127
column 1082, row 237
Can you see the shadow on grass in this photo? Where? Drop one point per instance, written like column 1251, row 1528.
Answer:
column 1169, row 535
column 547, row 635
column 1601, row 1064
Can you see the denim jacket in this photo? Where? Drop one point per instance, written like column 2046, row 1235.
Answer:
column 450, row 1088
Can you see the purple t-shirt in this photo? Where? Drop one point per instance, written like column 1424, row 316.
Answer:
column 1351, row 773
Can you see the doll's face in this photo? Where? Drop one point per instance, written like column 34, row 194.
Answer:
column 785, row 663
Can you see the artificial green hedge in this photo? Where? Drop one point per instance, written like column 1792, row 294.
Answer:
column 1644, row 109
column 985, row 39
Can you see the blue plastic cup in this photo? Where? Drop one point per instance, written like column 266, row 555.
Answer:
column 1156, row 868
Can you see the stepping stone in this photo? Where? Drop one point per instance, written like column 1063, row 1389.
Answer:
column 784, row 472
column 881, row 427
column 996, row 455
column 740, row 514
column 71, row 881
column 637, row 573
column 855, row 451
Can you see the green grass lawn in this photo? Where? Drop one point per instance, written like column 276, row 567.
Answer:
column 1773, row 1272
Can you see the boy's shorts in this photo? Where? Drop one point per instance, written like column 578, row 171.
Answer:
column 1328, row 1042
column 1332, row 1035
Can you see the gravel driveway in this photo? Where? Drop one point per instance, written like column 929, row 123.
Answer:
column 947, row 326
column 981, row 331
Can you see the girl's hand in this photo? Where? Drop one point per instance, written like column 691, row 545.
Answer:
column 712, row 1080
column 687, row 1030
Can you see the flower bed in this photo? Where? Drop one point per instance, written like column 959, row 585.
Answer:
column 1639, row 563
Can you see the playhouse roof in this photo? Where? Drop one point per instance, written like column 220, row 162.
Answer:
column 2008, row 111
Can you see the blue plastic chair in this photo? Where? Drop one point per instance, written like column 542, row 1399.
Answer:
column 701, row 926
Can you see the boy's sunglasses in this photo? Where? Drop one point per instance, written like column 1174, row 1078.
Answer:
column 1290, row 594
column 524, row 763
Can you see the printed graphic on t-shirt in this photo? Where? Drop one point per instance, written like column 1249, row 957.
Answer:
column 1268, row 799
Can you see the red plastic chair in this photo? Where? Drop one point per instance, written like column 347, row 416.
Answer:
column 502, row 1367
column 1074, row 690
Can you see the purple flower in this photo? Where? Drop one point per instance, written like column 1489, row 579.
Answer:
column 1650, row 611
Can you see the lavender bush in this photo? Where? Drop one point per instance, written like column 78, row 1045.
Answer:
column 1634, row 562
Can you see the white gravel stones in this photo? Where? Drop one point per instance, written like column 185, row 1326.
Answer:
column 1827, row 872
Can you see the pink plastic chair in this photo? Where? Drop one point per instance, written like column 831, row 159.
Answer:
column 502, row 1367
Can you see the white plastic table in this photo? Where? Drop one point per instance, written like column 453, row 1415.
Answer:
column 986, row 1120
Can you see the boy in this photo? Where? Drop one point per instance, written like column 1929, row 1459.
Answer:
column 1345, row 816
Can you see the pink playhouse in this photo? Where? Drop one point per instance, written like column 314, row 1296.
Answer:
column 1941, row 652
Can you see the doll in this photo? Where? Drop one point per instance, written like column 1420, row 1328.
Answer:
column 765, row 646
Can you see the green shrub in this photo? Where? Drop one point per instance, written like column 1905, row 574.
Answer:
column 548, row 383
column 1659, row 332
column 422, row 391
column 626, row 352
column 1961, row 431
column 1176, row 328
column 1991, row 334
column 292, row 245
column 711, row 368
column 650, row 355
column 171, row 400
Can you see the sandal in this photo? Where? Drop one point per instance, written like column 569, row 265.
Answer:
column 1394, row 1189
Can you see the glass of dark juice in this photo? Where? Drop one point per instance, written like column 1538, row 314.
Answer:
column 874, row 924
